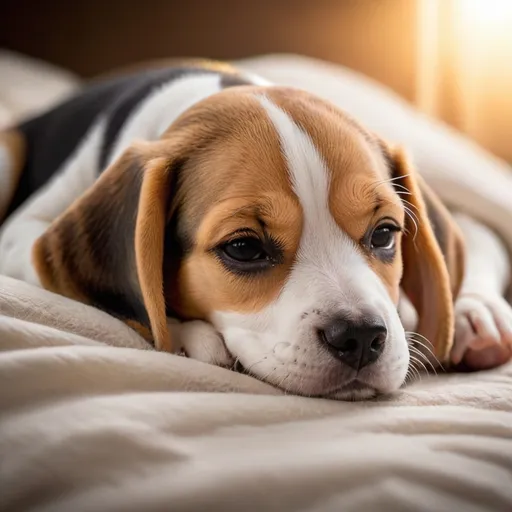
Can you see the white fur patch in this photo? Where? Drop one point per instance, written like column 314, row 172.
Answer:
column 330, row 277
column 160, row 109
column 256, row 79
column 30, row 221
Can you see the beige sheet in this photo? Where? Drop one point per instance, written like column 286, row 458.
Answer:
column 87, row 424
column 28, row 85
column 91, row 419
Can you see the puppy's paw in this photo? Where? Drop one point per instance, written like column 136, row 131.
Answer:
column 199, row 340
column 407, row 313
column 483, row 331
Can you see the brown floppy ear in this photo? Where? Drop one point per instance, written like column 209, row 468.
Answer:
column 433, row 256
column 107, row 249
column 448, row 236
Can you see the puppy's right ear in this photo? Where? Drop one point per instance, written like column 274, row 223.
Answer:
column 426, row 278
column 107, row 249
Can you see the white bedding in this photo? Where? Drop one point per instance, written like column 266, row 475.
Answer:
column 88, row 425
column 92, row 419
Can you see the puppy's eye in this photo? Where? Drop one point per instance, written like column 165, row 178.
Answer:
column 245, row 249
column 383, row 237
column 249, row 253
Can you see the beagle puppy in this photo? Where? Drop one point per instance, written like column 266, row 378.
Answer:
column 247, row 225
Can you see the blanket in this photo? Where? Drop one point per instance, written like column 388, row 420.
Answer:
column 93, row 419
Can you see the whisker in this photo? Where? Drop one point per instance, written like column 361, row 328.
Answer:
column 411, row 212
column 415, row 361
column 281, row 383
column 414, row 371
column 434, row 371
column 249, row 368
column 411, row 335
column 391, row 180
column 426, row 359
column 418, row 353
column 421, row 337
column 412, row 217
column 403, row 189
column 266, row 377
column 410, row 204
column 411, row 368
column 418, row 373
column 422, row 342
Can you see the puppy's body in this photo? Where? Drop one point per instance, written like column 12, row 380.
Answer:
column 79, row 139
column 139, row 106
column 230, row 164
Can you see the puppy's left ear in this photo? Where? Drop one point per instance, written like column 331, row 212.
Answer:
column 448, row 236
column 107, row 249
column 433, row 256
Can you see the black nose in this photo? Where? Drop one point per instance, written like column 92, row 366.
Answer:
column 356, row 344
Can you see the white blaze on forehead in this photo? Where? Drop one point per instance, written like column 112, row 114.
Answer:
column 323, row 243
column 306, row 167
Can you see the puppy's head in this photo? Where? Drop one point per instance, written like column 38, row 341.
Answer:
column 272, row 215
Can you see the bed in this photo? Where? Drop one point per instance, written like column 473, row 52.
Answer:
column 93, row 419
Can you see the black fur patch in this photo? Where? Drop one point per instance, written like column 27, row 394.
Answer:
column 53, row 136
column 138, row 88
column 141, row 86
column 233, row 80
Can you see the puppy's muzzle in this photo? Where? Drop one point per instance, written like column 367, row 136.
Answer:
column 355, row 343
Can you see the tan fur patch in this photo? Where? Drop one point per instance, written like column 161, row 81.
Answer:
column 149, row 246
column 241, row 183
column 359, row 196
column 141, row 330
column 13, row 142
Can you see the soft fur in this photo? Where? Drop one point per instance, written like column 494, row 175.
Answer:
column 213, row 155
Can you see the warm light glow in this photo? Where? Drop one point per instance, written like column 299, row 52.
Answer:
column 488, row 13
column 484, row 27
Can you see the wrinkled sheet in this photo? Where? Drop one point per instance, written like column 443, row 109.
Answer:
column 92, row 419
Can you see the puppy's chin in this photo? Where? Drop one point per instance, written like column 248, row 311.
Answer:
column 354, row 392
column 333, row 383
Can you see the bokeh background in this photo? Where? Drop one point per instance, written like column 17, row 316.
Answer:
column 451, row 58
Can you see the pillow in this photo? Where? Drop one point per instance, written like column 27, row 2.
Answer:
column 29, row 85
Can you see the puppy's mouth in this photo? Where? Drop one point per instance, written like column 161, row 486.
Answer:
column 352, row 391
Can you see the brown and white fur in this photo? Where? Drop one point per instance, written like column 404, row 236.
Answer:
column 198, row 167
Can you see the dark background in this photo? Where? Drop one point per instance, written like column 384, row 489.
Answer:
column 90, row 37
